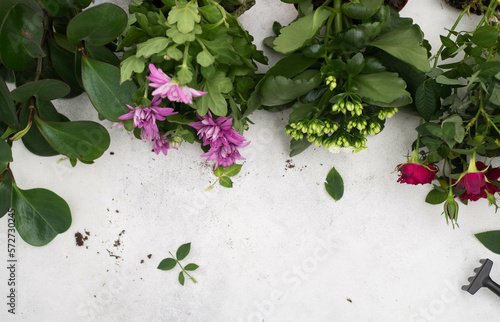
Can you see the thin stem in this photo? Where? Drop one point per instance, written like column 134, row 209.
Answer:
column 337, row 5
column 185, row 272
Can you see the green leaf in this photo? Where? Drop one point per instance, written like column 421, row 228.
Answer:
column 180, row 119
column 181, row 278
column 184, row 74
column 441, row 79
column 426, row 99
column 102, row 83
column 233, row 170
column 44, row 90
column 5, row 193
column 186, row 16
column 291, row 66
column 214, row 100
column 183, row 251
column 436, row 197
column 191, row 267
column 98, row 25
column 63, row 7
column 174, row 53
column 219, row 171
column 205, row 59
column 427, row 129
column 65, row 64
column 132, row 64
column 152, row 46
column 102, row 54
column 226, row 182
column 5, row 155
column 278, row 90
column 334, row 184
column 485, row 36
column 383, row 89
column 299, row 32
column 167, row 264
column 20, row 38
column 404, row 44
column 362, row 10
column 40, row 215
column 84, row 140
column 298, row 146
column 7, row 108
column 490, row 239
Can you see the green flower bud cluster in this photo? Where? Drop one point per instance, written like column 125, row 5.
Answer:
column 312, row 127
column 176, row 141
column 357, row 122
column 356, row 108
column 345, row 141
column 387, row 112
column 331, row 82
column 372, row 128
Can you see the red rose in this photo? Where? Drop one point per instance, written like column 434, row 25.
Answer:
column 475, row 184
column 414, row 173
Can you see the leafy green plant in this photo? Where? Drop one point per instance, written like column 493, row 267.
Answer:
column 170, row 262
column 54, row 50
column 199, row 48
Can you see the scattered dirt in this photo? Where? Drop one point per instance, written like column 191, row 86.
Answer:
column 142, row 261
column 149, row 256
column 118, row 242
column 117, row 211
column 112, row 255
column 112, row 153
column 80, row 239
column 289, row 164
column 349, row 300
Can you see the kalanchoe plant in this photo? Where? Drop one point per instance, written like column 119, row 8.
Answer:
column 198, row 59
column 459, row 102
column 52, row 49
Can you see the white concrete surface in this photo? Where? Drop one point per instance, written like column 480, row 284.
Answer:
column 274, row 248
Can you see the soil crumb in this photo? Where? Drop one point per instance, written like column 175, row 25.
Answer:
column 80, row 239
column 289, row 164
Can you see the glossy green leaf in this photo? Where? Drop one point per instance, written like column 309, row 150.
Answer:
column 232, row 170
column 298, row 146
column 299, row 32
column 185, row 15
column 102, row 54
column 20, row 38
column 167, row 264
column 64, row 7
column 334, row 184
column 436, row 197
column 132, row 64
column 191, row 267
column 362, row 10
column 181, row 278
column 40, row 215
column 383, row 89
column 44, row 90
column 490, row 239
column 5, row 155
column 64, row 63
column 5, row 193
column 183, row 251
column 226, row 182
column 404, row 44
column 426, row 99
column 7, row 108
column 278, row 90
column 34, row 140
column 84, row 140
column 98, row 25
column 102, row 83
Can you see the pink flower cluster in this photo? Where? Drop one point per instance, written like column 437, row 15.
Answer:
column 223, row 140
column 145, row 117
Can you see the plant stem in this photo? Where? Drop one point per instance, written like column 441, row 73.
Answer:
column 185, row 272
column 337, row 5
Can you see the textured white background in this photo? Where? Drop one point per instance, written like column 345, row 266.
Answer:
column 276, row 247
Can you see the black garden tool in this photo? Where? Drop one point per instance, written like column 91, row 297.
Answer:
column 482, row 278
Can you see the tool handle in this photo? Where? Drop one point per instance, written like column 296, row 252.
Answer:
column 494, row 287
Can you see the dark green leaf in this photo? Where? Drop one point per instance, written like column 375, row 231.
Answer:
column 232, row 170
column 40, row 215
column 383, row 89
column 5, row 193
column 44, row 90
column 291, row 66
column 214, row 100
column 485, row 36
column 167, row 264
column 181, row 278
column 226, row 182
column 278, row 90
column 428, row 129
column 183, row 251
column 64, row 63
column 426, row 99
column 491, row 240
column 5, row 155
column 102, row 54
column 20, row 38
column 84, row 140
column 7, row 108
column 334, row 184
column 298, row 146
column 362, row 10
column 63, row 7
column 98, row 25
column 191, row 267
column 102, row 83
column 436, row 197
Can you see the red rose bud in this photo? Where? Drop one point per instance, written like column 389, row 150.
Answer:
column 414, row 173
column 479, row 184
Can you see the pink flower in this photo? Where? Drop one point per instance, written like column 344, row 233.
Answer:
column 415, row 173
column 160, row 144
column 477, row 183
column 145, row 117
column 223, row 140
column 166, row 87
